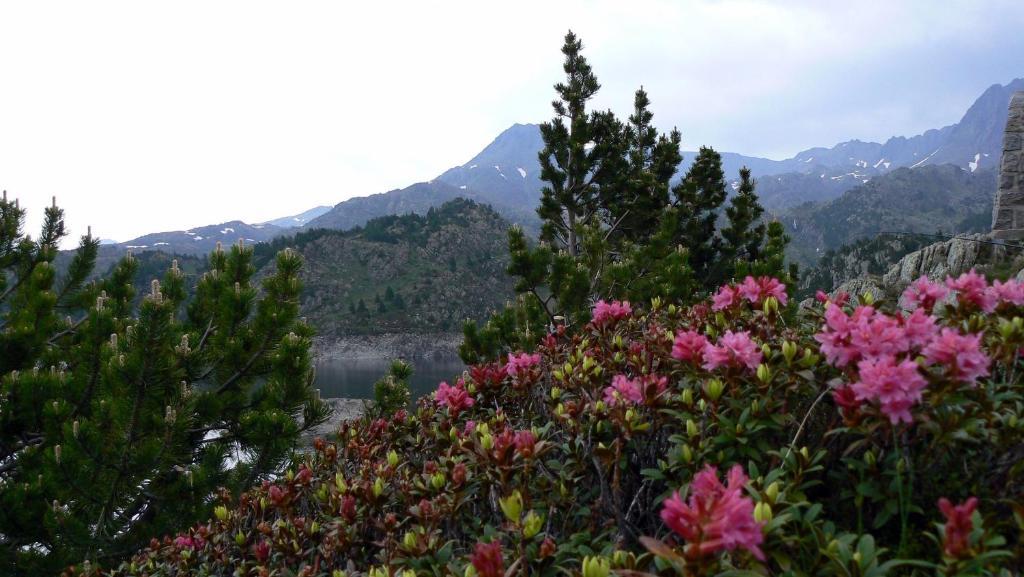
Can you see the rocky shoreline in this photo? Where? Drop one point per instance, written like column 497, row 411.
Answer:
column 437, row 346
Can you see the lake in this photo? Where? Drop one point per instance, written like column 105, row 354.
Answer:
column 354, row 379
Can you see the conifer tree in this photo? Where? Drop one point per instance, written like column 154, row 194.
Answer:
column 120, row 421
column 699, row 197
column 744, row 235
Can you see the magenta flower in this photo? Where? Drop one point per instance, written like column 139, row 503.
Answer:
column 715, row 517
column 604, row 312
column 192, row 542
column 956, row 538
column 895, row 385
column 525, row 441
column 973, row 290
column 749, row 289
column 624, row 389
column 875, row 334
column 521, row 363
column 725, row 298
column 689, row 346
column 923, row 293
column 960, row 354
column 455, row 398
column 836, row 335
column 919, row 328
column 1009, row 292
column 732, row 350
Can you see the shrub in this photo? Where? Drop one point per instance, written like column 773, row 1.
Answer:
column 734, row 439
column 391, row 392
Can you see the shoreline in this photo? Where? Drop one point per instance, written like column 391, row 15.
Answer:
column 411, row 346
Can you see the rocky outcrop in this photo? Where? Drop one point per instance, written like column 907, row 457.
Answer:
column 936, row 261
column 341, row 410
column 1008, row 214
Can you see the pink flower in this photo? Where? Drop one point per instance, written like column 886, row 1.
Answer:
column 261, row 551
column 192, row 542
column 455, row 398
column 960, row 354
column 895, row 385
column 1009, row 292
column 923, row 293
column 521, row 363
column 732, row 350
column 845, row 398
column 725, row 298
column 715, row 517
column 836, row 335
column 973, row 290
column 607, row 312
column 623, row 389
column 749, row 289
column 956, row 539
column 487, row 559
column 876, row 334
column 919, row 328
column 689, row 346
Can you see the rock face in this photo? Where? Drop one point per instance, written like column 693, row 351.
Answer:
column 1008, row 214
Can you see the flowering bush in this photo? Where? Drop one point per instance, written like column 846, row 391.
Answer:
column 845, row 433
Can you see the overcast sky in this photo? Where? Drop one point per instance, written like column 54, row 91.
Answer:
column 144, row 116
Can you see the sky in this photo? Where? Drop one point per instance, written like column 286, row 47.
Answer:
column 144, row 116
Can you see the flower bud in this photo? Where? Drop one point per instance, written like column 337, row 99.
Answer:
column 770, row 306
column 867, row 298
column 512, row 506
column 620, row 558
column 691, row 428
column 532, row 525
column 408, row 573
column 764, row 374
column 713, row 389
column 688, row 397
column 556, row 393
column 240, row 538
column 630, row 415
column 789, row 351
column 339, row 481
column 56, row 453
column 75, row 428
column 687, row 454
column 470, row 571
column 596, row 567
column 772, row 492
column 221, row 512
column 762, row 512
column 599, row 406
column 437, row 481
column 487, row 441
column 378, row 487
column 409, row 541
column 393, row 458
column 339, row 573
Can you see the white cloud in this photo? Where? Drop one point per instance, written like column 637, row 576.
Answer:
column 144, row 117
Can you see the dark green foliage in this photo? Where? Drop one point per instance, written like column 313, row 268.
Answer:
column 121, row 418
column 391, row 392
column 613, row 228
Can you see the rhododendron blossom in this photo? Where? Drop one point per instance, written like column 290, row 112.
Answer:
column 732, row 350
column 895, row 385
column 960, row 354
column 525, row 441
column 923, row 293
column 624, row 389
column 606, row 312
column 972, row 289
column 956, row 539
column 759, row 289
column 716, row 516
column 689, row 346
column 725, row 298
column 521, row 363
column 455, row 398
column 1009, row 292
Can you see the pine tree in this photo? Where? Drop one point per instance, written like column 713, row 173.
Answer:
column 121, row 421
column 575, row 145
column 640, row 191
column 743, row 237
column 699, row 196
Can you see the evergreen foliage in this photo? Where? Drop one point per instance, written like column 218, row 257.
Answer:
column 614, row 228
column 121, row 420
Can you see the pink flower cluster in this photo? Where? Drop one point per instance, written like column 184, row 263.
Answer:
column 753, row 290
column 689, row 346
column 883, row 349
column 605, row 312
column 455, row 398
column 733, row 350
column 192, row 542
column 623, row 389
column 716, row 516
column 972, row 291
column 519, row 364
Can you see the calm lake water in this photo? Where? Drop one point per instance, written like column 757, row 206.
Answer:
column 354, row 379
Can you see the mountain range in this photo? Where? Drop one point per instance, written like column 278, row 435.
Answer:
column 505, row 175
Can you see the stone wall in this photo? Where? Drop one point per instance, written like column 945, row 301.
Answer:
column 1008, row 215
